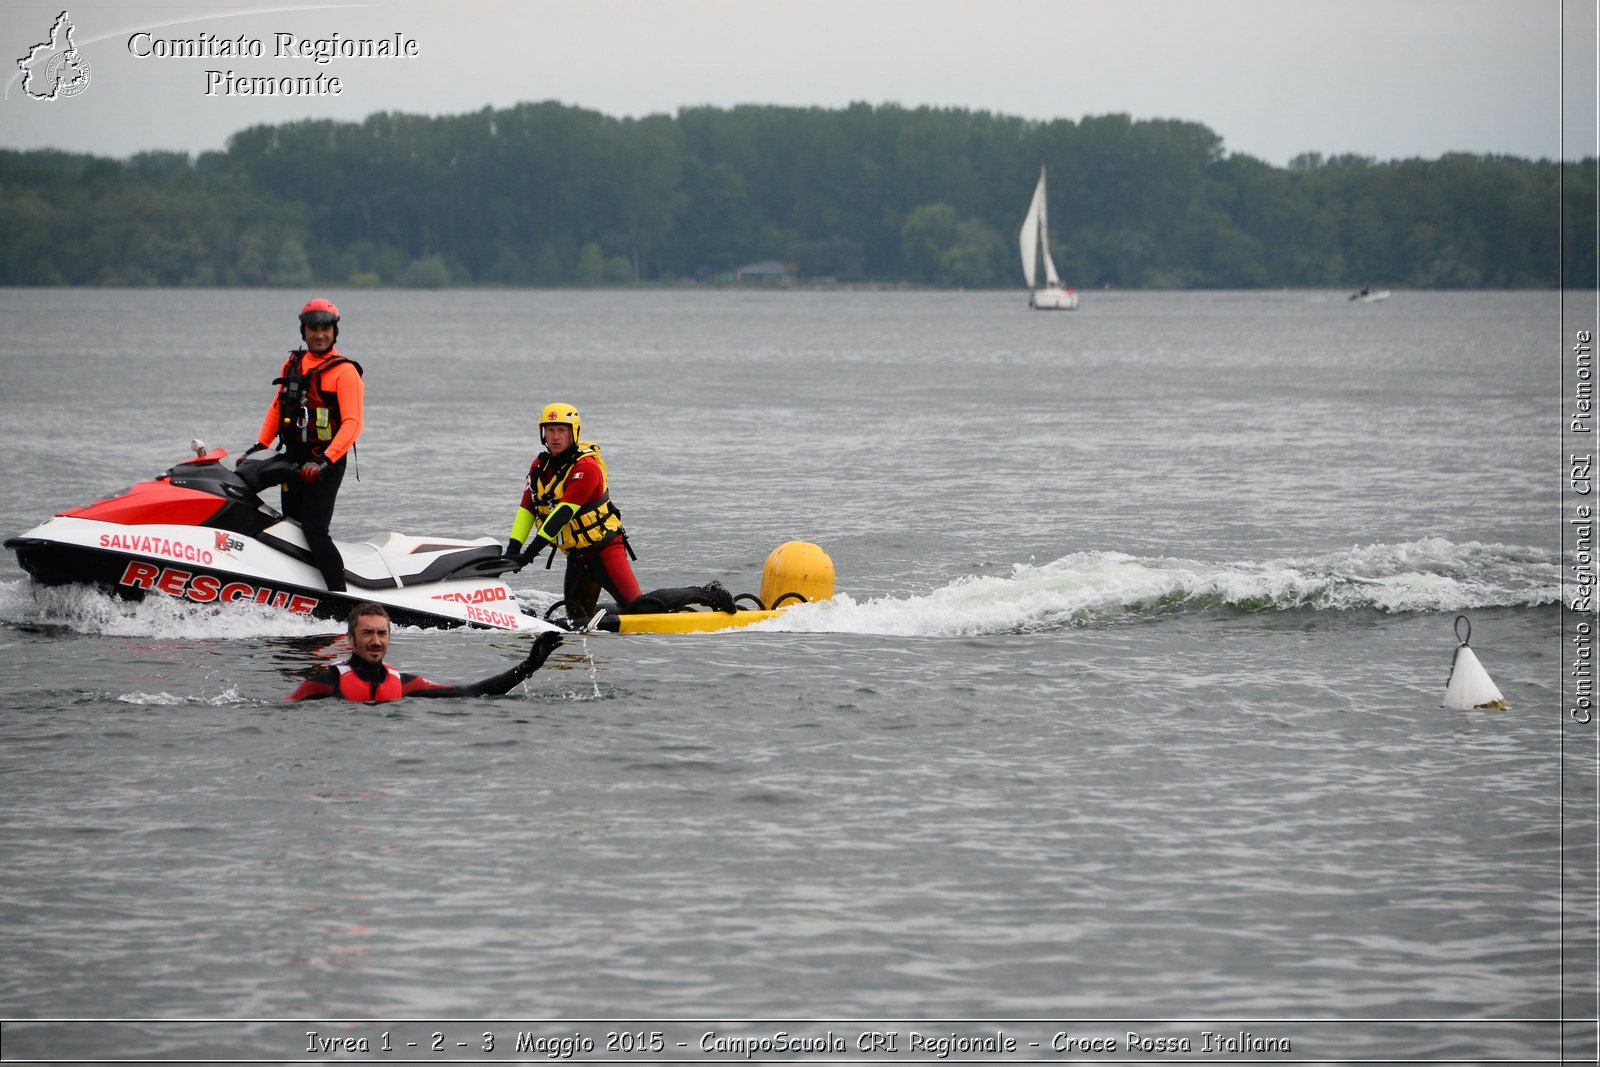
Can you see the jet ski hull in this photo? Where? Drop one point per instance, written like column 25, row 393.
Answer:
column 216, row 567
column 201, row 533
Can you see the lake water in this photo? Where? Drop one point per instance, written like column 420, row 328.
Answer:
column 1126, row 719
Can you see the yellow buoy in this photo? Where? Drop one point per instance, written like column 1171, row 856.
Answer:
column 796, row 571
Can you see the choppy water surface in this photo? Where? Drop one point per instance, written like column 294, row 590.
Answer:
column 1128, row 708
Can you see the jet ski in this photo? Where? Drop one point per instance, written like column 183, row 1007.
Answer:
column 201, row 532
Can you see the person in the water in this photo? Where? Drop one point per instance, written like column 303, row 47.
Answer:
column 365, row 677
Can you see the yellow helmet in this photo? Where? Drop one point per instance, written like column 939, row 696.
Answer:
column 562, row 414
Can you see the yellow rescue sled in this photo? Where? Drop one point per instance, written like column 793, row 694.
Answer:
column 795, row 573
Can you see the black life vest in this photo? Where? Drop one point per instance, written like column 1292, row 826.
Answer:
column 308, row 418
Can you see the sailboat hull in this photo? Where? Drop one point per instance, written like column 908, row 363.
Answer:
column 1053, row 299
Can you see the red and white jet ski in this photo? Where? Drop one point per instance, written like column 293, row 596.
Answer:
column 201, row 532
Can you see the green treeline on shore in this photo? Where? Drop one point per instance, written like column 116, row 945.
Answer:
column 547, row 194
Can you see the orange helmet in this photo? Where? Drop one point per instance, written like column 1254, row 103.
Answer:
column 319, row 312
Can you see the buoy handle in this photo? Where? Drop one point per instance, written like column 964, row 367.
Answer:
column 1459, row 620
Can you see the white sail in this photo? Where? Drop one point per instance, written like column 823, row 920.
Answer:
column 1052, row 279
column 1034, row 238
column 1029, row 237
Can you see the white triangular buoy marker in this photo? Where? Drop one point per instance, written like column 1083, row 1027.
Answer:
column 1470, row 685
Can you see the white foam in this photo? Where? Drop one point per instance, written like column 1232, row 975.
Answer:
column 88, row 610
column 1084, row 588
column 229, row 696
column 1079, row 589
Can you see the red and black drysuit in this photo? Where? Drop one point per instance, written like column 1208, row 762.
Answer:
column 566, row 502
column 375, row 683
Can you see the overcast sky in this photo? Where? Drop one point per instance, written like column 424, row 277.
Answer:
column 1273, row 78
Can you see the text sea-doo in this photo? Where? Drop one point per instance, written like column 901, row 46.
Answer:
column 201, row 532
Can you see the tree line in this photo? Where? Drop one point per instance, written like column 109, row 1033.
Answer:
column 548, row 194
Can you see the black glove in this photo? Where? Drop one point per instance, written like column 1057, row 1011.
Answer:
column 255, row 447
column 543, row 645
column 536, row 545
column 311, row 471
column 501, row 683
column 718, row 598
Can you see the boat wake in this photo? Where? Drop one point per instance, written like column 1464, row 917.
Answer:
column 1083, row 589
column 1097, row 589
column 85, row 609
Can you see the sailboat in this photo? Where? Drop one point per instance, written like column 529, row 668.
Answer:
column 1035, row 240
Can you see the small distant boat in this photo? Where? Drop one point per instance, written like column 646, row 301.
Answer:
column 1035, row 242
column 1370, row 296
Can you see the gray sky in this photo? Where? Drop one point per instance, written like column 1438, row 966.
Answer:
column 1274, row 78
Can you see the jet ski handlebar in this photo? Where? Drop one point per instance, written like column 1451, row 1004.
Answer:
column 265, row 469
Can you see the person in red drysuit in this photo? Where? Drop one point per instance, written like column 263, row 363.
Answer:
column 566, row 503
column 365, row 677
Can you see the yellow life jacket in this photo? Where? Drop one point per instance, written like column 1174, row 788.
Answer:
column 594, row 524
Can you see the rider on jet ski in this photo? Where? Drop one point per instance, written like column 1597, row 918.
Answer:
column 316, row 415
